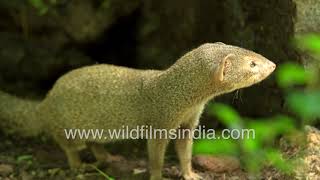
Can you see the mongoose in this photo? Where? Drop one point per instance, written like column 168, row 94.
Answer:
column 108, row 97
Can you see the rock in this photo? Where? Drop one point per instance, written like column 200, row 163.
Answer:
column 304, row 150
column 312, row 154
column 85, row 21
column 307, row 18
column 172, row 172
column 66, row 21
column 5, row 169
column 26, row 176
column 27, row 65
column 168, row 29
column 216, row 163
column 139, row 170
column 307, row 21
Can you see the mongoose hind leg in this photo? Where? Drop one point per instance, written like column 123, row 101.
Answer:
column 156, row 152
column 73, row 158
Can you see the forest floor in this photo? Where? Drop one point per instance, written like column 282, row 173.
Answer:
column 28, row 159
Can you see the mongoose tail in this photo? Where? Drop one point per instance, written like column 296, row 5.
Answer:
column 18, row 115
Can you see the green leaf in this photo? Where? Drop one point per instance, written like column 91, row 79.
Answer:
column 254, row 161
column 263, row 131
column 267, row 129
column 226, row 115
column 221, row 146
column 309, row 42
column 305, row 104
column 40, row 6
column 251, row 145
column 24, row 158
column 284, row 124
column 276, row 159
column 291, row 74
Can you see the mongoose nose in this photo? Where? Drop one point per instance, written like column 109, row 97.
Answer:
column 273, row 66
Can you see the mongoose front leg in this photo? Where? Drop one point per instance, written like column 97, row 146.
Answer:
column 184, row 150
column 156, row 152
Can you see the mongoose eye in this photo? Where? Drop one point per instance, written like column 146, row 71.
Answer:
column 252, row 64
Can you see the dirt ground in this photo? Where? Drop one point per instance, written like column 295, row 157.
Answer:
column 29, row 159
column 39, row 159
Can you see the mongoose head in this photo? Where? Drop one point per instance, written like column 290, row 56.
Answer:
column 232, row 67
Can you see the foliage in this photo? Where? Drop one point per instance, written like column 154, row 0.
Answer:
column 302, row 99
column 289, row 74
column 309, row 42
column 25, row 158
column 304, row 103
column 222, row 146
column 254, row 151
column 227, row 115
column 40, row 6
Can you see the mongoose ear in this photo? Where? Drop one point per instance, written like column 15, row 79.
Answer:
column 219, row 43
column 219, row 73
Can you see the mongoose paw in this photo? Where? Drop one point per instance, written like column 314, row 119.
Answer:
column 76, row 165
column 115, row 159
column 192, row 176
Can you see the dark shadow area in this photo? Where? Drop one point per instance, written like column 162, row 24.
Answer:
column 116, row 45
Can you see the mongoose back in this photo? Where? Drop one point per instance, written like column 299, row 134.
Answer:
column 110, row 97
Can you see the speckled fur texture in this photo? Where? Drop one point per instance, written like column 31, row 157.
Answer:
column 109, row 97
column 19, row 116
